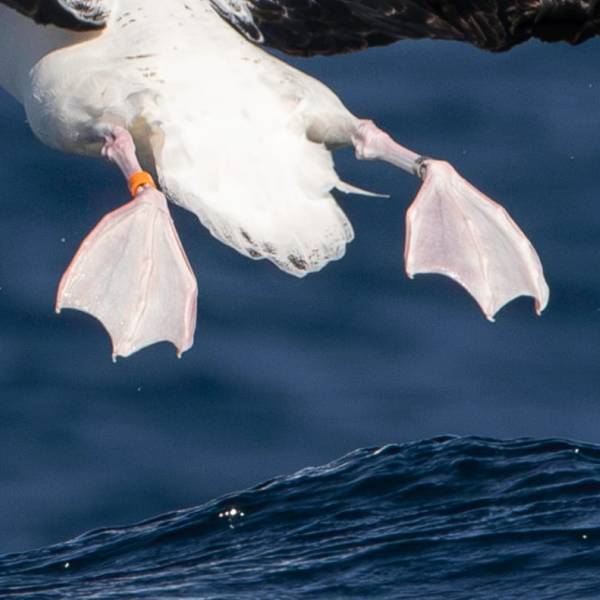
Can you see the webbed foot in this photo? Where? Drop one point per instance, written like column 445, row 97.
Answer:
column 455, row 230
column 131, row 271
column 132, row 274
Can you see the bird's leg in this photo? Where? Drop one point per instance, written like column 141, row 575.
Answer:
column 371, row 143
column 131, row 271
column 453, row 229
column 119, row 148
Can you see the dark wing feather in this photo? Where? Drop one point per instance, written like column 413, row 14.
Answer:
column 78, row 15
column 307, row 27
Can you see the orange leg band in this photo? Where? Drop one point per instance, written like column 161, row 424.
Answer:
column 139, row 179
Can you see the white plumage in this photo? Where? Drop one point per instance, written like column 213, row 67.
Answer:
column 237, row 137
column 227, row 124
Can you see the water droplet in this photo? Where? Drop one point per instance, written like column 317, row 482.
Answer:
column 231, row 514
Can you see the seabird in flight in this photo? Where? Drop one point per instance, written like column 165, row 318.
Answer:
column 181, row 93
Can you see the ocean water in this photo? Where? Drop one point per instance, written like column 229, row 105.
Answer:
column 451, row 518
column 290, row 373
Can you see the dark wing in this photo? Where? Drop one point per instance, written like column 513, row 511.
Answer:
column 307, row 27
column 79, row 15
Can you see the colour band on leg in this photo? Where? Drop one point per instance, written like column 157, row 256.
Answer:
column 138, row 180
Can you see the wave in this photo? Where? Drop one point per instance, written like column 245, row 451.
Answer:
column 449, row 517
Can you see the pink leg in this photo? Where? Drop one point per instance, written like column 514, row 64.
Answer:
column 371, row 143
column 119, row 148
column 455, row 230
column 131, row 271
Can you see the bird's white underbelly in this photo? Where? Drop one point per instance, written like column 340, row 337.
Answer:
column 141, row 68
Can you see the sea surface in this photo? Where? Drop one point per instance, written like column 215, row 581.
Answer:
column 448, row 518
column 287, row 374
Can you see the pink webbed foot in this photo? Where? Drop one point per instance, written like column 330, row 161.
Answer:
column 455, row 230
column 132, row 274
column 131, row 271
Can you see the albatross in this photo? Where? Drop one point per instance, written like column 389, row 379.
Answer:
column 181, row 96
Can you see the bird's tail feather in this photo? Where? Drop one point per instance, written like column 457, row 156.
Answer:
column 264, row 192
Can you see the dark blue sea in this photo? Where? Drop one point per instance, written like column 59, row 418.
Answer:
column 448, row 518
column 288, row 374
